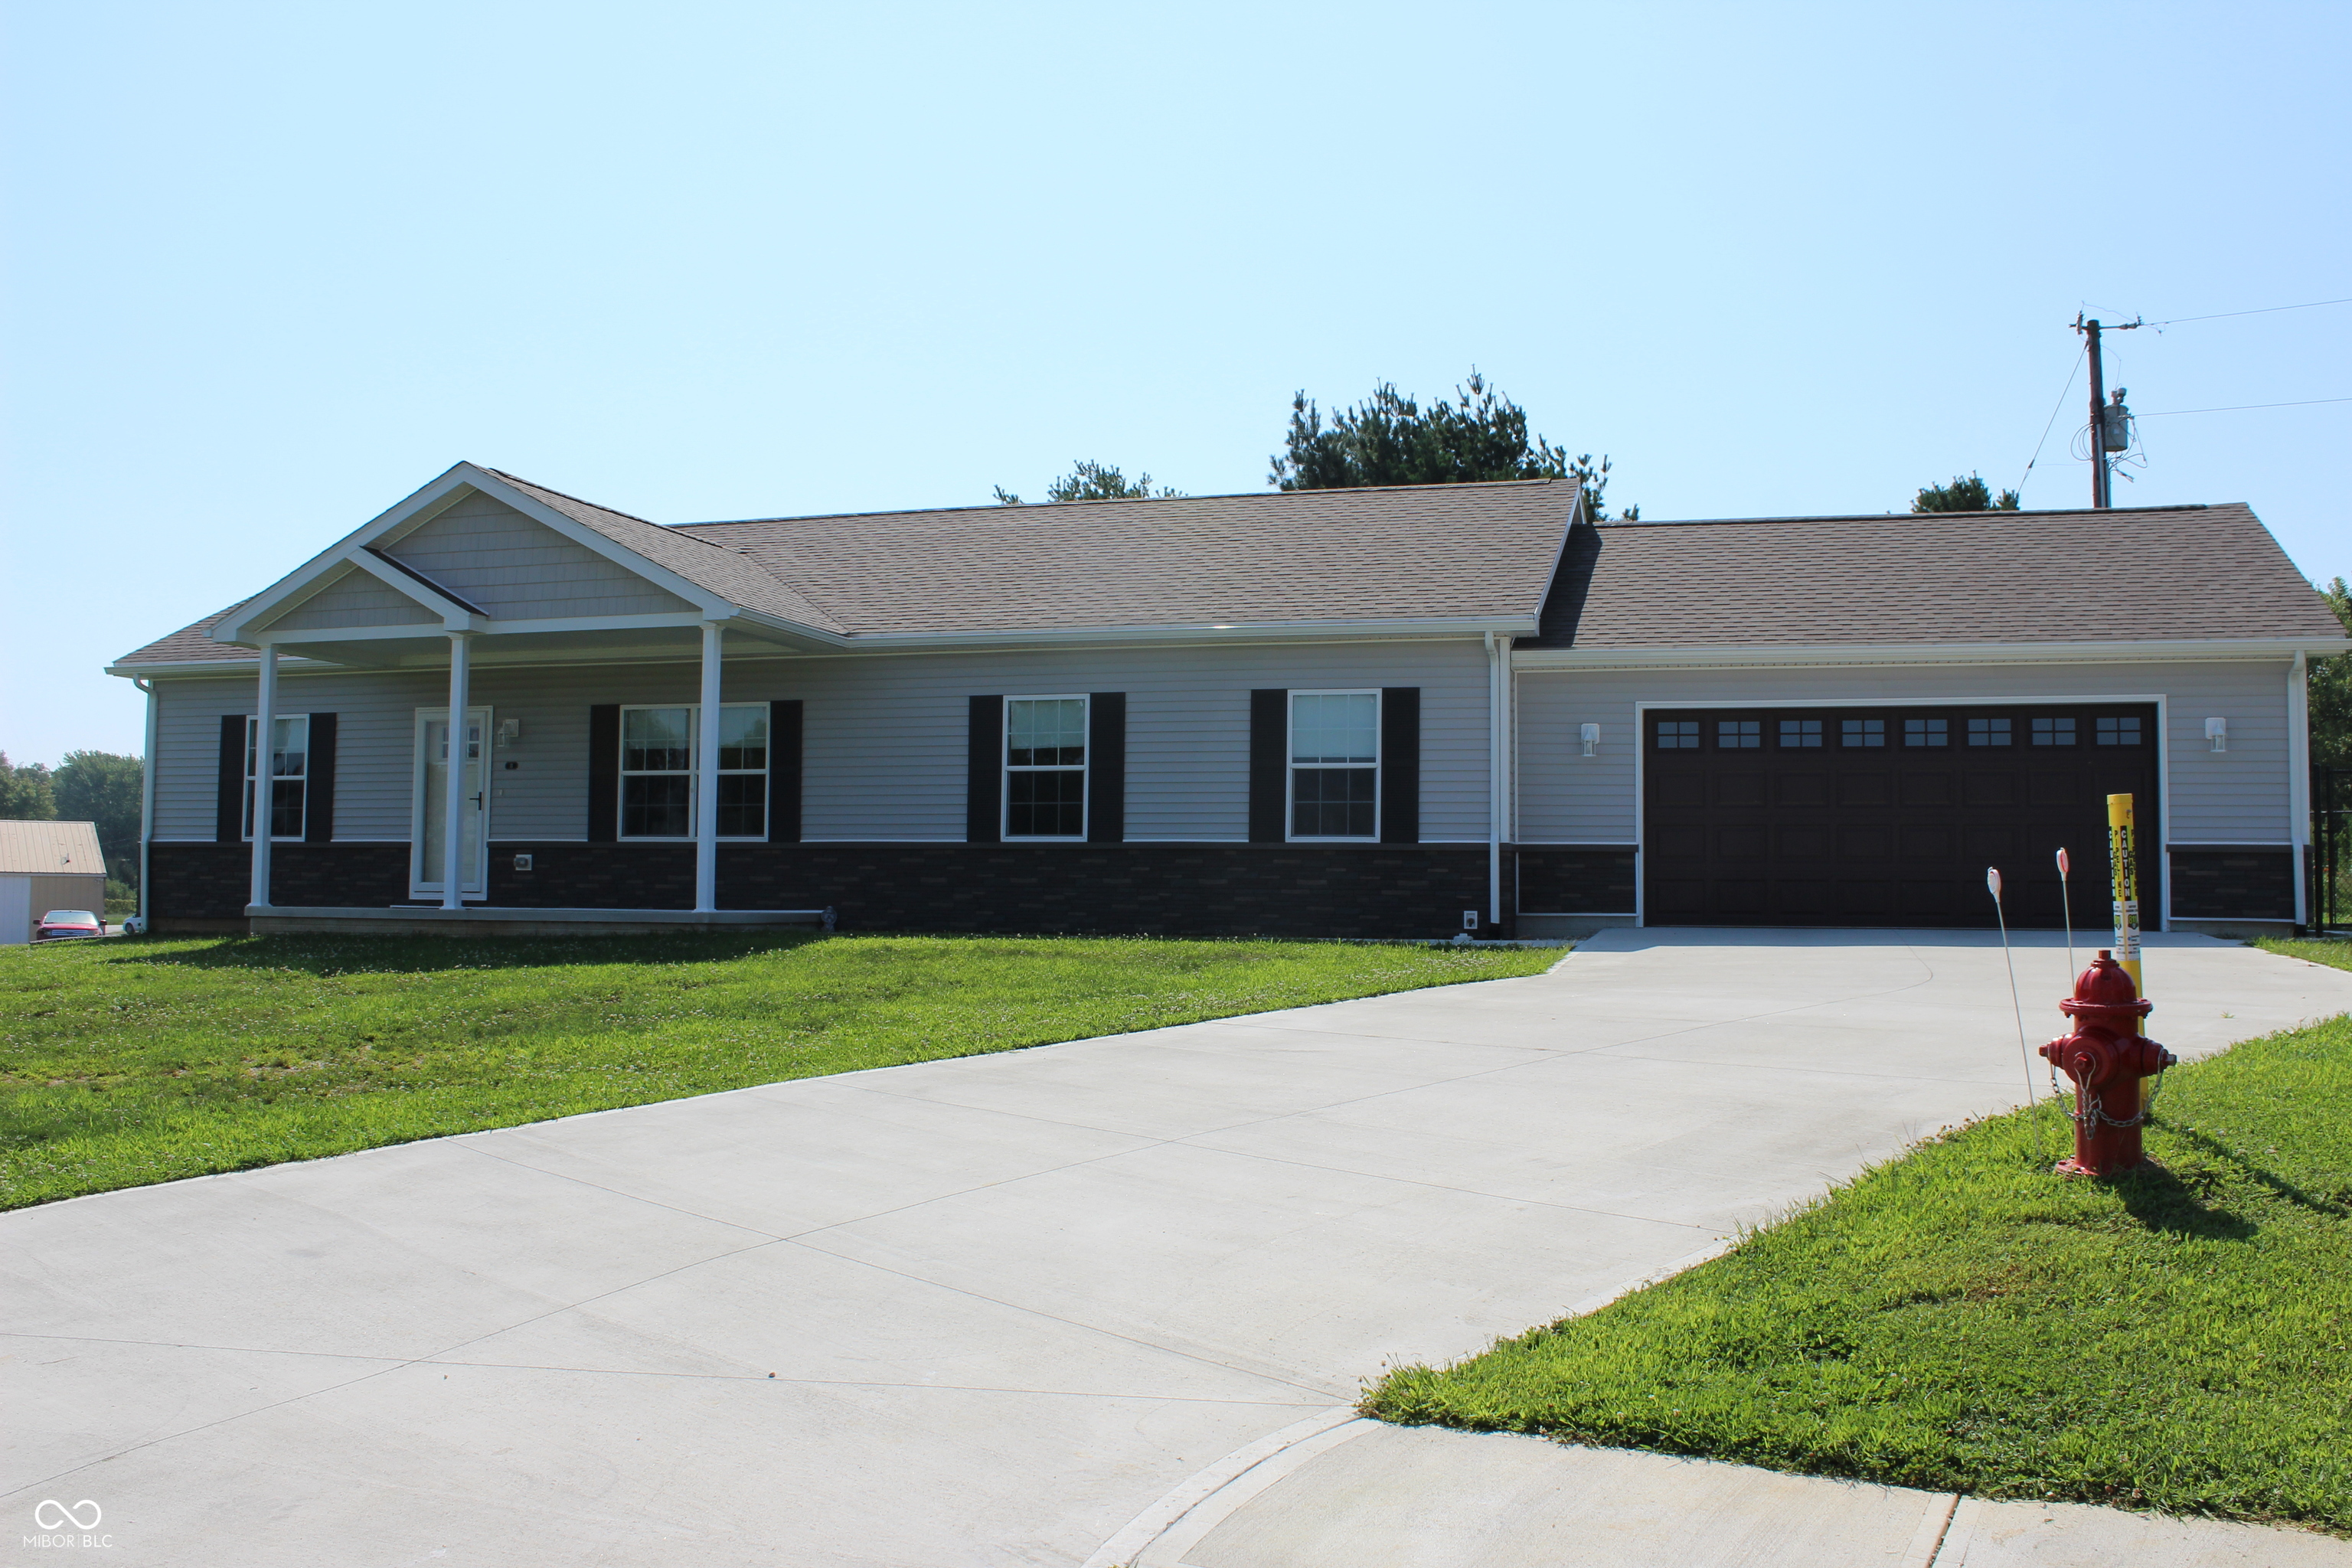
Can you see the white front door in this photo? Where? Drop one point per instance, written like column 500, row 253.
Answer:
column 431, row 813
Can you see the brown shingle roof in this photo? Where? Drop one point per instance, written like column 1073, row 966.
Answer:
column 1473, row 551
column 2127, row 575
column 1479, row 551
column 191, row 644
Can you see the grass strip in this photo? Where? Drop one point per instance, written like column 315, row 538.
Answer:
column 1960, row 1321
column 129, row 1062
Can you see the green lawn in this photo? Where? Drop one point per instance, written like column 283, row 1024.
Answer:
column 130, row 1061
column 1960, row 1321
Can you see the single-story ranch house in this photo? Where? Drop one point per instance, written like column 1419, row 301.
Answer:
column 1362, row 712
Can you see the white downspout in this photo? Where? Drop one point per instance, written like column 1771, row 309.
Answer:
column 146, row 802
column 454, row 797
column 706, row 776
column 1495, row 742
column 2298, row 780
column 264, row 782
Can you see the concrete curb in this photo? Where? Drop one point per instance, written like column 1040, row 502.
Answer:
column 1145, row 1529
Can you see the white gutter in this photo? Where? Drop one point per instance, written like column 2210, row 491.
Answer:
column 1769, row 655
column 1497, row 764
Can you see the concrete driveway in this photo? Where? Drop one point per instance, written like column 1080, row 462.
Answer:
column 991, row 1311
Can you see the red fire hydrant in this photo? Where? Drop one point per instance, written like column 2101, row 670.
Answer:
column 2106, row 1055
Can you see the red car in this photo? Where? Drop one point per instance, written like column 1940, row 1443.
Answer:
column 59, row 923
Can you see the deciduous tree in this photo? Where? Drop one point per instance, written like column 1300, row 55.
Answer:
column 102, row 788
column 2331, row 691
column 26, row 792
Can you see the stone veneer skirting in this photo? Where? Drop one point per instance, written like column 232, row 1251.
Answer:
column 1576, row 880
column 2254, row 883
column 1161, row 889
column 1157, row 890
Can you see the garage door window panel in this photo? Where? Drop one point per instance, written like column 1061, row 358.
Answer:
column 1801, row 734
column 1989, row 732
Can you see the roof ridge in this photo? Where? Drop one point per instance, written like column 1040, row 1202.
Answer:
column 990, row 508
column 1886, row 516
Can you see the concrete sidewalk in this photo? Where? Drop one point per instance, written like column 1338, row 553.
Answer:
column 1003, row 1310
column 1402, row 1497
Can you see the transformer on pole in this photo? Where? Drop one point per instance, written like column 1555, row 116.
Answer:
column 2110, row 427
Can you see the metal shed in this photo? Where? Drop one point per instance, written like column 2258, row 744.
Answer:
column 48, row 865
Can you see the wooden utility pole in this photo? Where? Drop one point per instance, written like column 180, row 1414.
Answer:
column 2102, row 477
column 2100, row 480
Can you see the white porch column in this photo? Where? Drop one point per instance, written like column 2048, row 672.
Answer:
column 706, row 776
column 264, row 783
column 458, row 802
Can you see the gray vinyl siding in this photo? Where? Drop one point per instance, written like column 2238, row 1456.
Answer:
column 353, row 598
column 518, row 569
column 894, row 729
column 886, row 737
column 2239, row 796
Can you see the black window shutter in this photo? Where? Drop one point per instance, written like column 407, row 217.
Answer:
column 604, row 773
column 1400, row 765
column 984, row 801
column 784, row 772
column 228, row 817
column 1269, row 767
column 319, row 782
column 1107, row 767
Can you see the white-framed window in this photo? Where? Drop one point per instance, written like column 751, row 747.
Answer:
column 1335, row 764
column 658, row 747
column 1045, row 767
column 288, row 770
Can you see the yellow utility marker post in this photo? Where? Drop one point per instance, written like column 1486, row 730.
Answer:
column 2123, row 867
column 2122, row 863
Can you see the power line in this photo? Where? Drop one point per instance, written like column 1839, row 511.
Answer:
column 2266, row 310
column 2053, row 418
column 2234, row 408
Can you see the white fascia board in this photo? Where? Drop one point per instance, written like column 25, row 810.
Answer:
column 367, row 634
column 2171, row 650
column 602, row 623
column 423, row 501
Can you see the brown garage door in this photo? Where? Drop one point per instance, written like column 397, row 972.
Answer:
column 1888, row 816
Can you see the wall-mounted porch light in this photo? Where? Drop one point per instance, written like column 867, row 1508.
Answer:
column 2217, row 734
column 1590, row 735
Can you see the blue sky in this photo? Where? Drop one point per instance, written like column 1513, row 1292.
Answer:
column 270, row 268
